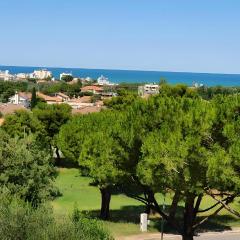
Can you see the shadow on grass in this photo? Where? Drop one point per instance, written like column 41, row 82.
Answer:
column 218, row 223
column 131, row 214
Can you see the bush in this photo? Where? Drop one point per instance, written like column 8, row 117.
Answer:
column 26, row 169
column 18, row 220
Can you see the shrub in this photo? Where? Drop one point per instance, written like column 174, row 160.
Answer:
column 18, row 220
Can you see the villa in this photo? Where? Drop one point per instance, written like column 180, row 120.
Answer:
column 148, row 89
column 93, row 89
column 21, row 98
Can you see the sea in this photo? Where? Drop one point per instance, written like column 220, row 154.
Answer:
column 134, row 76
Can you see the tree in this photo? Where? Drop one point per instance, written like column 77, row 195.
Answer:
column 166, row 144
column 180, row 156
column 23, row 123
column 178, row 145
column 34, row 98
column 67, row 78
column 8, row 89
column 52, row 117
column 26, row 169
column 98, row 151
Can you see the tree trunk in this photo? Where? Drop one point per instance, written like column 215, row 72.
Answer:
column 187, row 237
column 57, row 154
column 173, row 208
column 105, row 205
column 189, row 218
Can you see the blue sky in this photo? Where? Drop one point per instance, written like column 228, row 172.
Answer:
column 174, row 35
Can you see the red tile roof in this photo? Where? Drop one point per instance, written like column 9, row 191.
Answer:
column 49, row 98
column 26, row 95
column 92, row 88
column 10, row 108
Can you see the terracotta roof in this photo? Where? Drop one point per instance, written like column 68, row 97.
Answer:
column 26, row 95
column 10, row 108
column 92, row 88
column 84, row 99
column 49, row 98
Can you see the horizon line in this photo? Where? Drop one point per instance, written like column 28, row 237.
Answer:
column 120, row 69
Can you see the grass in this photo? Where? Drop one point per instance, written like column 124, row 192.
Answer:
column 125, row 211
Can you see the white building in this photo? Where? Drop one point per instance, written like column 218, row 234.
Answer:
column 148, row 89
column 64, row 75
column 42, row 74
column 6, row 76
column 21, row 98
column 103, row 80
column 22, row 76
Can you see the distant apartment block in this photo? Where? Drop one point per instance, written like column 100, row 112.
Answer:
column 22, row 76
column 103, row 80
column 42, row 74
column 6, row 76
column 148, row 89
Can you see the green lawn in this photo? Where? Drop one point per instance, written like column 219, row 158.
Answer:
column 124, row 211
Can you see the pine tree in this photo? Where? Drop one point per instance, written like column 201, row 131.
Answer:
column 34, row 98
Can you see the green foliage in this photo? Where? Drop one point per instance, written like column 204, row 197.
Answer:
column 175, row 146
column 101, row 152
column 67, row 78
column 8, row 89
column 26, row 169
column 181, row 144
column 178, row 90
column 19, row 220
column 55, row 87
column 95, row 98
column 129, row 88
column 23, row 123
column 121, row 102
column 52, row 117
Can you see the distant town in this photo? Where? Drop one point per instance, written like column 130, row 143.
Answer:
column 88, row 95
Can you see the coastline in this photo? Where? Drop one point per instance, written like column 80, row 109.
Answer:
column 140, row 76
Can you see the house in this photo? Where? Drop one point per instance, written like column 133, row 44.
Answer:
column 9, row 108
column 50, row 99
column 21, row 98
column 93, row 89
column 63, row 96
column 107, row 95
column 148, row 89
column 77, row 103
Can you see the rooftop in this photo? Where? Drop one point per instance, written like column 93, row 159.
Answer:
column 10, row 108
column 92, row 88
